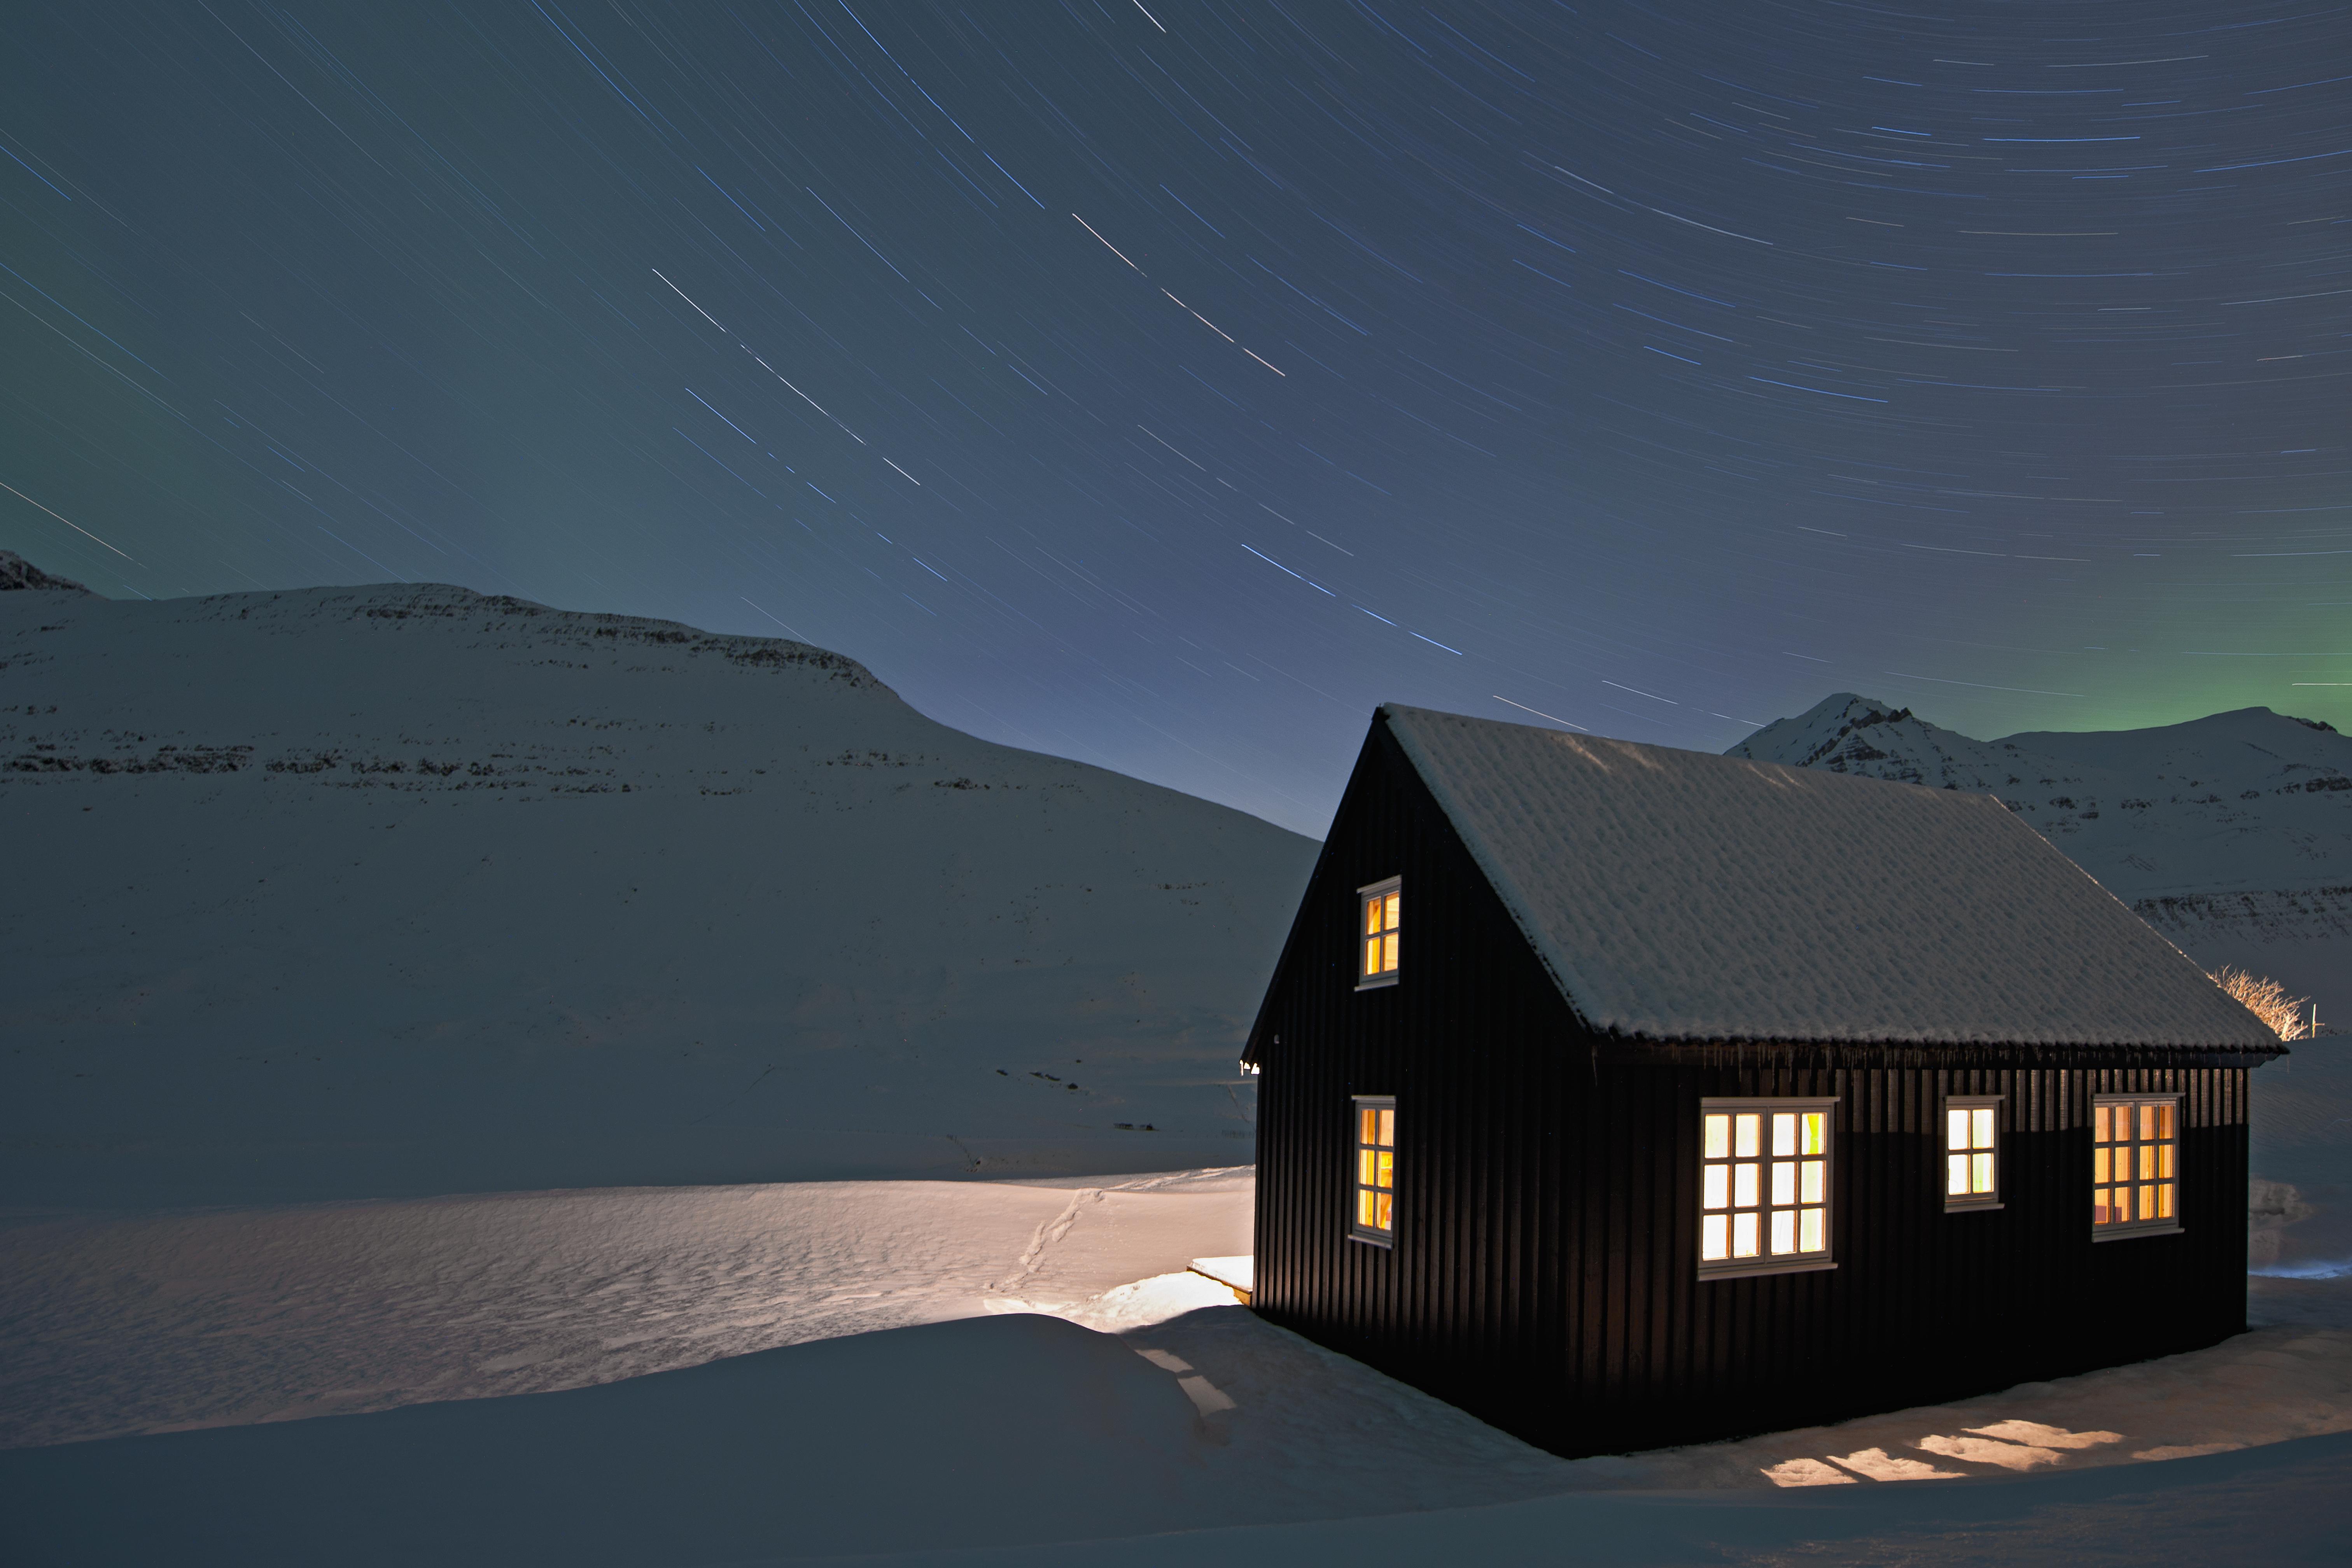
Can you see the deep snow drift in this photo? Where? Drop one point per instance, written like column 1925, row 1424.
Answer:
column 403, row 889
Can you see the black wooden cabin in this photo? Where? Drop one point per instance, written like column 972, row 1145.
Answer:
column 1998, row 1125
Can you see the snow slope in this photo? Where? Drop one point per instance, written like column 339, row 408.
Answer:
column 1030, row 1440
column 403, row 890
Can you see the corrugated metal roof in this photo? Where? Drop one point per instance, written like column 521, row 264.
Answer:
column 1679, row 896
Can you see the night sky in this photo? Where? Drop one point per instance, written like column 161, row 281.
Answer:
column 1166, row 387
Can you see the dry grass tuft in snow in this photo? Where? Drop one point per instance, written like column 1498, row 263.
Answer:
column 2266, row 999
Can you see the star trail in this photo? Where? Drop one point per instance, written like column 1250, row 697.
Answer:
column 1166, row 387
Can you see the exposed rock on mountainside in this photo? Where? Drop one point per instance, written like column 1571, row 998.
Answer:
column 406, row 889
column 16, row 571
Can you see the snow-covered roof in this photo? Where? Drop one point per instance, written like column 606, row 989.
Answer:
column 1678, row 896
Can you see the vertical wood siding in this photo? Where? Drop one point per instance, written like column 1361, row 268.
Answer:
column 1544, row 1270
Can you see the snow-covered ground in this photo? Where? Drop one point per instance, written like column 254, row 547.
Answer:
column 637, row 941
column 788, row 1370
column 164, row 1322
column 397, row 890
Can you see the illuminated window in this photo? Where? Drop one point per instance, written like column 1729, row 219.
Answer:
column 1971, row 1152
column 2135, row 1156
column 1375, row 1216
column 1376, row 933
column 1764, row 1186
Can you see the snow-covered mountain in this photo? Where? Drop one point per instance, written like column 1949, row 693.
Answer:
column 2232, row 834
column 399, row 890
column 2249, row 801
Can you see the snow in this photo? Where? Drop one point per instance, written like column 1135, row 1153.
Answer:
column 165, row 1322
column 2283, row 1507
column 797, row 1370
column 1239, row 1273
column 1677, row 896
column 567, row 1059
column 810, row 1448
column 2301, row 1162
column 397, row 891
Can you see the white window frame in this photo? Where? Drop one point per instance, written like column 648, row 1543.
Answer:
column 1766, row 1261
column 1371, row 1235
column 2167, row 1225
column 1367, row 980
column 1970, row 1106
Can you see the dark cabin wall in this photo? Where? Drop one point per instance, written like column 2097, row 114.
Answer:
column 1923, row 1306
column 1544, row 1272
column 1467, row 1041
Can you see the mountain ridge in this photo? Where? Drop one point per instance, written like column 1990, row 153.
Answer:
column 390, row 890
column 2234, row 783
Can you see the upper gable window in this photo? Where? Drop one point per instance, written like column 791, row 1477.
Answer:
column 2135, row 1165
column 1377, row 919
column 1971, row 1152
column 1764, row 1186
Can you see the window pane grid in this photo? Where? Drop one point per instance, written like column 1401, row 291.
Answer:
column 2135, row 1155
column 1375, row 1173
column 1382, row 916
column 1764, row 1185
column 1971, row 1153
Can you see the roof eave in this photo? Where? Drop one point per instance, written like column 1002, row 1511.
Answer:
column 1628, row 1050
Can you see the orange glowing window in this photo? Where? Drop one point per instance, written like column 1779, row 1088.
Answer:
column 1764, row 1185
column 1375, row 1173
column 1972, row 1151
column 1379, row 910
column 2135, row 1165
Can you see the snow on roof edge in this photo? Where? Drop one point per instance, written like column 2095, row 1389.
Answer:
column 2217, row 1030
column 1489, row 866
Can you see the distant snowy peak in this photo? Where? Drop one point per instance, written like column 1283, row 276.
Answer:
column 1850, row 734
column 2244, row 801
column 16, row 571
